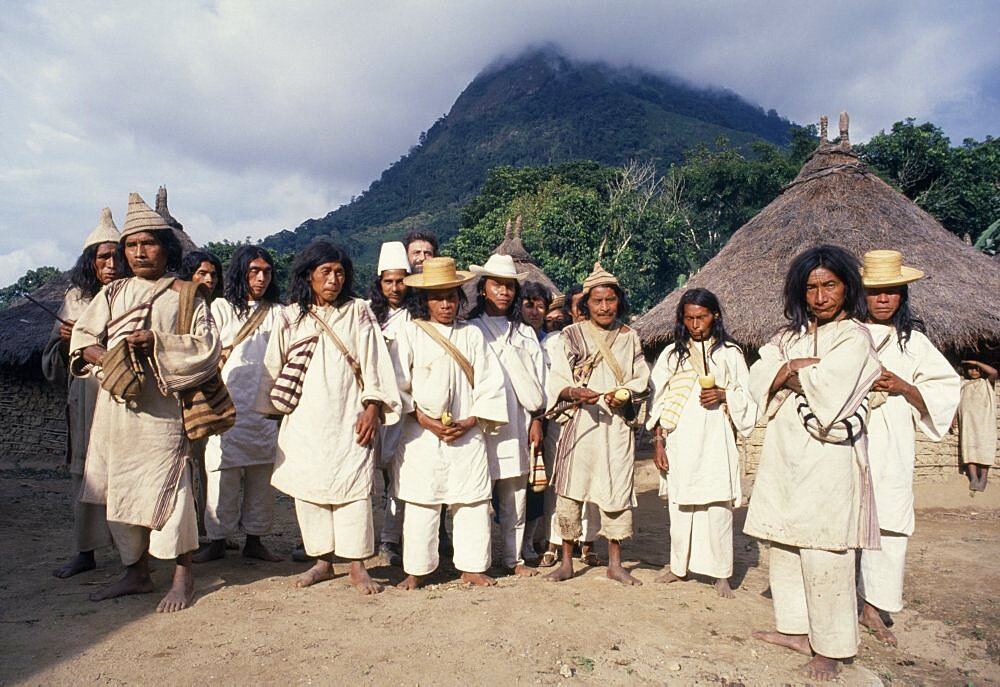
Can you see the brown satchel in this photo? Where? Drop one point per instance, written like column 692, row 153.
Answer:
column 208, row 408
column 122, row 374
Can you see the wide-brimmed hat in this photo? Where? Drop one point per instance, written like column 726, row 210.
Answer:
column 885, row 268
column 104, row 232
column 599, row 277
column 392, row 256
column 499, row 267
column 557, row 303
column 439, row 273
column 141, row 217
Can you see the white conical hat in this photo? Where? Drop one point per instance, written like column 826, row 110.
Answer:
column 104, row 232
column 392, row 256
column 141, row 217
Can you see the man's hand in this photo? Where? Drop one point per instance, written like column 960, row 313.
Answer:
column 94, row 354
column 66, row 330
column 535, row 435
column 712, row 398
column 446, row 433
column 660, row 455
column 580, row 394
column 368, row 424
column 612, row 401
column 141, row 340
column 890, row 383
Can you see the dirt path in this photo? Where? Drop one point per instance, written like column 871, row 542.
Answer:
column 249, row 625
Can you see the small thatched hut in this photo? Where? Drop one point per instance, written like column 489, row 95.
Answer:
column 837, row 199
column 33, row 410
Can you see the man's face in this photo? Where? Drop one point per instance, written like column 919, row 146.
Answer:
column 602, row 301
column 417, row 252
column 533, row 312
column 104, row 262
column 574, row 307
column 259, row 275
column 883, row 303
column 205, row 274
column 499, row 295
column 327, row 281
column 554, row 320
column 698, row 320
column 146, row 256
column 442, row 305
column 392, row 286
column 824, row 295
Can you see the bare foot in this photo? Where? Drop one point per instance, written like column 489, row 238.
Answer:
column 320, row 572
column 521, row 570
column 798, row 643
column 478, row 579
column 254, row 548
column 81, row 562
column 136, row 580
column 821, row 668
column 668, row 577
column 181, row 591
column 723, row 589
column 562, row 573
column 620, row 574
column 362, row 581
column 871, row 619
column 215, row 550
column 412, row 582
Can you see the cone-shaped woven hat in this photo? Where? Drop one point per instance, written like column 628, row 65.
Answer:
column 141, row 217
column 599, row 277
column 104, row 232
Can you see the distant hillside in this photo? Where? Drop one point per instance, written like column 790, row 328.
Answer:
column 540, row 109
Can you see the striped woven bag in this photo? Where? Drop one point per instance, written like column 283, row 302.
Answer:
column 287, row 387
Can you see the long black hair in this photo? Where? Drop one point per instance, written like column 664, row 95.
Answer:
column 192, row 261
column 512, row 315
column 621, row 314
column 380, row 304
column 567, row 308
column 841, row 263
column 309, row 258
column 237, row 289
column 167, row 239
column 708, row 300
column 83, row 275
column 419, row 309
column 904, row 320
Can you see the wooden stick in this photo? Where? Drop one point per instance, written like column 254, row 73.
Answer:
column 704, row 358
column 46, row 309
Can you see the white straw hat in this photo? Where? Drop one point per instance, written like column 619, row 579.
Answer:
column 392, row 256
column 439, row 273
column 500, row 267
column 104, row 232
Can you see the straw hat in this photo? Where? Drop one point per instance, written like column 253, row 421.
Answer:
column 557, row 303
column 439, row 273
column 141, row 217
column 392, row 256
column 499, row 267
column 104, row 232
column 886, row 268
column 599, row 277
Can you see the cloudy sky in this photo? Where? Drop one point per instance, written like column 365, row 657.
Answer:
column 259, row 115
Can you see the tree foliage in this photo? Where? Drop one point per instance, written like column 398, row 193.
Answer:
column 32, row 280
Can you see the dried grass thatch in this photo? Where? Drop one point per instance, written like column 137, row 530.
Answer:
column 523, row 262
column 837, row 199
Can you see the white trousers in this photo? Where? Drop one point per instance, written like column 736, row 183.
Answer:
column 881, row 580
column 470, row 537
column 813, row 594
column 178, row 536
column 90, row 522
column 591, row 519
column 701, row 540
column 392, row 519
column 344, row 529
column 512, row 499
column 228, row 508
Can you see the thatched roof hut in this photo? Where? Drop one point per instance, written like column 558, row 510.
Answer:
column 523, row 262
column 837, row 199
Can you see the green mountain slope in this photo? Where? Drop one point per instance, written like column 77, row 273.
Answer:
column 540, row 109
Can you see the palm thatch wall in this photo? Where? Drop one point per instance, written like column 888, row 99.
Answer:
column 837, row 199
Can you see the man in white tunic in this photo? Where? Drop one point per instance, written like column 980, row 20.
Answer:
column 96, row 267
column 245, row 318
column 328, row 372
column 498, row 316
column 389, row 297
column 138, row 459
column 917, row 388
column 812, row 499
column 452, row 390
column 700, row 395
column 597, row 380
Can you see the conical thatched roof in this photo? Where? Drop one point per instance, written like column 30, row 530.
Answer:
column 161, row 209
column 523, row 262
column 837, row 199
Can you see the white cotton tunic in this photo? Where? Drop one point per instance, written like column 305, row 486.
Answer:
column 318, row 458
column 520, row 356
column 253, row 439
column 429, row 471
column 808, row 492
column 977, row 422
column 892, row 426
column 704, row 459
column 138, row 450
column 391, row 433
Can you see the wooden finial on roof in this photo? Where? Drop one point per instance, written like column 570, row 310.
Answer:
column 845, row 123
column 506, row 232
column 161, row 202
column 517, row 227
column 823, row 121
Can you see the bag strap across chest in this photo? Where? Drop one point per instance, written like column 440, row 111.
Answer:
column 351, row 360
column 449, row 348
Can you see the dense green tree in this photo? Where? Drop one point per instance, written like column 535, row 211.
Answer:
column 32, row 280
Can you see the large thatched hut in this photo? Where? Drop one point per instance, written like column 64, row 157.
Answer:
column 33, row 410
column 837, row 199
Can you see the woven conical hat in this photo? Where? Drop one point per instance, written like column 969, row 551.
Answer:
column 141, row 217
column 104, row 232
column 599, row 277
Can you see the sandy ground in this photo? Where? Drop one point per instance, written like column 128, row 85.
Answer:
column 249, row 625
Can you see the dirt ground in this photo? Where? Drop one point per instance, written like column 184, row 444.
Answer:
column 249, row 625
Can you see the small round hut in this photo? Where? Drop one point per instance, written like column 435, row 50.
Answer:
column 837, row 199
